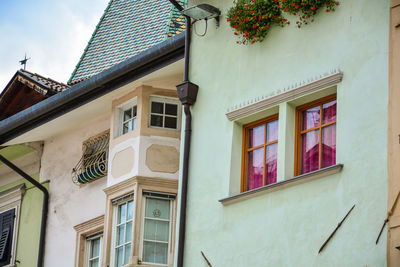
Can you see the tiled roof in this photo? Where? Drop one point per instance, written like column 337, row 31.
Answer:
column 46, row 83
column 127, row 28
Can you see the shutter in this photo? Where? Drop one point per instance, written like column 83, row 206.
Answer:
column 6, row 235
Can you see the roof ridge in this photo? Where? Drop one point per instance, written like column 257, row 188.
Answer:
column 90, row 41
column 43, row 77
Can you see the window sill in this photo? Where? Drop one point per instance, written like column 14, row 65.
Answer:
column 283, row 184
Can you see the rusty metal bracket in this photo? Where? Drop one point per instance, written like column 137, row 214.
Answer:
column 380, row 233
column 204, row 256
column 334, row 231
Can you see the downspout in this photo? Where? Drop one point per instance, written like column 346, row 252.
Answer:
column 44, row 207
column 187, row 93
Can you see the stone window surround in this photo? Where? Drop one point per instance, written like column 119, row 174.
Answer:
column 136, row 185
column 284, row 104
column 11, row 199
column 82, row 231
column 166, row 100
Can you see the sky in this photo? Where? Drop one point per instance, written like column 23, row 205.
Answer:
column 52, row 33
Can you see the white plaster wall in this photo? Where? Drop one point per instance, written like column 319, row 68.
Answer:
column 140, row 145
column 69, row 204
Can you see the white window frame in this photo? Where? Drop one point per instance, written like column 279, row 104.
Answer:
column 119, row 116
column 166, row 100
column 11, row 199
column 171, row 214
column 88, row 248
column 116, row 203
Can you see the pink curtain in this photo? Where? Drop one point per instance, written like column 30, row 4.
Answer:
column 329, row 146
column 271, row 164
column 329, row 135
column 255, row 168
column 310, row 118
column 310, row 152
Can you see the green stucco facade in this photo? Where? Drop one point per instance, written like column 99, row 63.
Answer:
column 30, row 211
column 288, row 226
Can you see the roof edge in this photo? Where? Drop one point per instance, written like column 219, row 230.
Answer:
column 90, row 41
column 154, row 58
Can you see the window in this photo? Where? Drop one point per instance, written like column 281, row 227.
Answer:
column 6, row 236
column 156, row 230
column 260, row 150
column 93, row 248
column 164, row 112
column 316, row 135
column 94, row 161
column 122, row 230
column 10, row 206
column 129, row 119
column 89, row 242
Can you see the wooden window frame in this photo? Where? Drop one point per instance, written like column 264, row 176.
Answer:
column 319, row 102
column 245, row 148
column 165, row 100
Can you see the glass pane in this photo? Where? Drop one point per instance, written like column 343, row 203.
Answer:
column 134, row 111
column 156, row 121
column 157, row 107
column 157, row 208
column 155, row 252
column 120, row 234
column 127, row 253
column 130, row 210
column 133, row 123
column 128, row 237
column 272, row 131
column 310, row 118
column 329, row 146
column 125, row 128
column 130, row 126
column 156, row 230
column 127, row 114
column 170, row 122
column 310, row 151
column 171, row 109
column 255, row 163
column 329, row 112
column 271, row 159
column 257, row 136
column 121, row 213
column 119, row 256
column 95, row 247
column 94, row 263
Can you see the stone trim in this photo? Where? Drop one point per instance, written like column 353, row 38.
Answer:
column 283, row 184
column 82, row 231
column 300, row 90
column 148, row 181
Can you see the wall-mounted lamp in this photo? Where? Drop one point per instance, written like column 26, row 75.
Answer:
column 203, row 11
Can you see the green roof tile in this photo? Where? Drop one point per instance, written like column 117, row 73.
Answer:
column 127, row 28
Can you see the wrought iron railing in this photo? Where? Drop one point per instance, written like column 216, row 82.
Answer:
column 94, row 161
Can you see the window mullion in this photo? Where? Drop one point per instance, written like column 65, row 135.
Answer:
column 320, row 136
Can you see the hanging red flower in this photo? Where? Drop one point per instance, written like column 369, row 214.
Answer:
column 252, row 19
column 307, row 9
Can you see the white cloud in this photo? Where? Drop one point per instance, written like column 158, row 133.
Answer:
column 54, row 40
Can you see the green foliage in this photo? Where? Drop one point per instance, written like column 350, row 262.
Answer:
column 252, row 19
